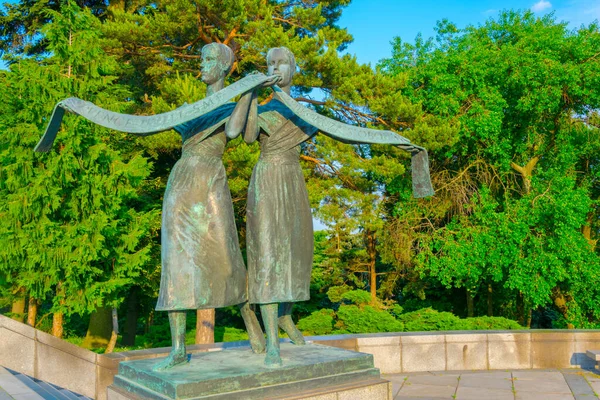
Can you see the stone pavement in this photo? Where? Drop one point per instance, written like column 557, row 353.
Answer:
column 551, row 384
column 16, row 386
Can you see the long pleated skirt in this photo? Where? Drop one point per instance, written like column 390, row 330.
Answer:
column 279, row 232
column 202, row 266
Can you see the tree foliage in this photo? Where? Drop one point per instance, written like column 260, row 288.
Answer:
column 508, row 111
column 519, row 185
column 71, row 228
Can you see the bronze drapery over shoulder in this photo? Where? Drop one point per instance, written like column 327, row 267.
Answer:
column 147, row 124
column 421, row 180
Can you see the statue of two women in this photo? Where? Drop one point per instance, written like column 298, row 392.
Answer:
column 202, row 266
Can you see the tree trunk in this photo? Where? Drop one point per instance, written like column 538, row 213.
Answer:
column 58, row 317
column 57, row 324
column 205, row 326
column 149, row 321
column 115, row 332
column 99, row 329
column 490, row 301
column 560, row 301
column 18, row 308
column 520, row 309
column 526, row 172
column 32, row 311
column 587, row 231
column 372, row 252
column 131, row 316
column 470, row 304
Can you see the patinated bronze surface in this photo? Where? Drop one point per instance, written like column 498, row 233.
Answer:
column 201, row 260
column 279, row 221
column 202, row 266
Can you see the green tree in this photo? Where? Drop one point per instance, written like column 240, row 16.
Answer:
column 72, row 227
column 516, row 190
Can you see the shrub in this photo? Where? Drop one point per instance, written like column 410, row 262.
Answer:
column 366, row 319
column 335, row 293
column 358, row 297
column 428, row 319
column 490, row 323
column 318, row 323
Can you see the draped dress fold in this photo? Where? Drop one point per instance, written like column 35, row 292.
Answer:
column 279, row 221
column 202, row 266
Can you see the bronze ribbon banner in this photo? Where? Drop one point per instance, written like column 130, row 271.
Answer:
column 421, row 180
column 144, row 124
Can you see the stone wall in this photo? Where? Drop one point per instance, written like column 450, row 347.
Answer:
column 472, row 350
column 40, row 355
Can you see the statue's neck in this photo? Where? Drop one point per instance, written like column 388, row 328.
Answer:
column 215, row 87
column 286, row 89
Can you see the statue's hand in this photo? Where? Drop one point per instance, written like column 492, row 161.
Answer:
column 273, row 80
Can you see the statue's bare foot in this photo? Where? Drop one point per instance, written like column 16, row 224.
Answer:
column 286, row 323
column 273, row 359
column 258, row 344
column 255, row 333
column 175, row 357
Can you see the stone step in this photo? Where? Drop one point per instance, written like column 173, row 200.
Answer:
column 70, row 395
column 14, row 387
column 18, row 386
column 594, row 355
column 41, row 388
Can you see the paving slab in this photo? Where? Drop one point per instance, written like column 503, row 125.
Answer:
column 543, row 396
column 475, row 381
column 544, row 375
column 471, row 393
column 435, row 380
column 595, row 386
column 420, row 398
column 519, row 384
column 578, row 384
column 491, row 374
column 4, row 395
column 541, row 386
column 428, row 391
column 397, row 381
column 13, row 386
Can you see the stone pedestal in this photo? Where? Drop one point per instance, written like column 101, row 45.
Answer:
column 311, row 371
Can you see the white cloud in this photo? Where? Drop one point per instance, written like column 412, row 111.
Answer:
column 541, row 6
column 579, row 12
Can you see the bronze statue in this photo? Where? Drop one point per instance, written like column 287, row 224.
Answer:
column 202, row 263
column 279, row 221
column 202, row 266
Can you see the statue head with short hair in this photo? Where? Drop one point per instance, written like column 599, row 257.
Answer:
column 281, row 61
column 217, row 60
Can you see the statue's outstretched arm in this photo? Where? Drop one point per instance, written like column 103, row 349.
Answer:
column 245, row 115
column 352, row 134
column 144, row 125
column 239, row 117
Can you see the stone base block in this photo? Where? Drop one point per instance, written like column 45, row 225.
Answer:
column 308, row 372
column 371, row 389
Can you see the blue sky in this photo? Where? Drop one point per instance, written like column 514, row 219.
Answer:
column 374, row 23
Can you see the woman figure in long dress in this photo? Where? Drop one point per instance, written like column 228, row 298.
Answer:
column 279, row 221
column 202, row 266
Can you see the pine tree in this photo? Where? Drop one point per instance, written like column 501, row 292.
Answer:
column 72, row 228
